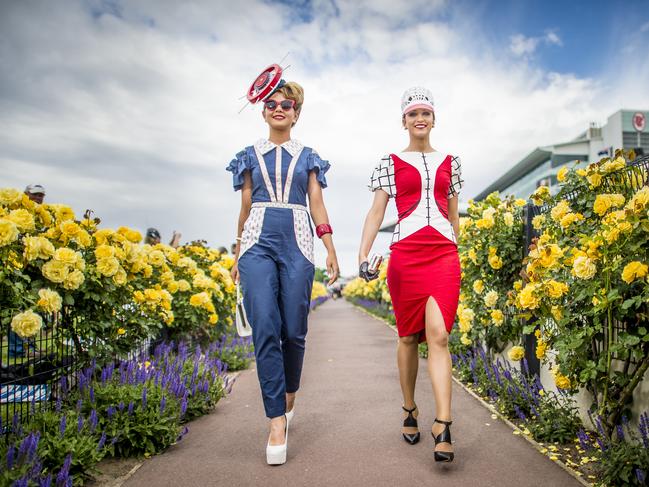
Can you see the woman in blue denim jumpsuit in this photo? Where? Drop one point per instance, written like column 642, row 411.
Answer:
column 274, row 257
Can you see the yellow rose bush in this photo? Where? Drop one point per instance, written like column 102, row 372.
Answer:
column 587, row 288
column 490, row 242
column 108, row 290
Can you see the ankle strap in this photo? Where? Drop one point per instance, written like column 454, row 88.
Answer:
column 447, row 423
column 410, row 411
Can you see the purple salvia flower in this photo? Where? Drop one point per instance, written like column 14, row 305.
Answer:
column 640, row 475
column 63, row 425
column 58, row 405
column 163, row 404
column 46, row 482
column 130, row 408
column 11, row 455
column 79, row 424
column 22, row 482
column 93, row 420
column 620, row 432
column 121, row 406
column 110, row 412
column 91, row 393
column 64, row 384
column 62, row 479
column 102, row 441
column 33, row 447
column 183, row 406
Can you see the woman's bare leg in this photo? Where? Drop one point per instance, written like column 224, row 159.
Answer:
column 439, row 367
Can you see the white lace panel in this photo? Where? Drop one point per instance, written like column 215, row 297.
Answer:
column 303, row 234
column 252, row 229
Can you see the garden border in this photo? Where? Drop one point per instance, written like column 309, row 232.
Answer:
column 491, row 408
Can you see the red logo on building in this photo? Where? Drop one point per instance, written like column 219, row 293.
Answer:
column 639, row 121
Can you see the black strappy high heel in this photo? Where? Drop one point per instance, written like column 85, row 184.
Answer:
column 443, row 437
column 410, row 422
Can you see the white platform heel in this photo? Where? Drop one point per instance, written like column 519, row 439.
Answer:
column 276, row 454
column 289, row 415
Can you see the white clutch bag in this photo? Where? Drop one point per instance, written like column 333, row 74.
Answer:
column 243, row 326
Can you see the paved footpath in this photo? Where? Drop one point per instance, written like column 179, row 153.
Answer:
column 346, row 431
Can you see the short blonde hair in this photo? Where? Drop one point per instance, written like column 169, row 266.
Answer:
column 293, row 91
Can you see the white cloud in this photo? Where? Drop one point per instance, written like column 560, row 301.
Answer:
column 135, row 115
column 523, row 46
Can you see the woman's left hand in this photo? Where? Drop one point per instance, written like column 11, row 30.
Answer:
column 332, row 267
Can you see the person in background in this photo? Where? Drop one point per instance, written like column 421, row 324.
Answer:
column 152, row 237
column 36, row 193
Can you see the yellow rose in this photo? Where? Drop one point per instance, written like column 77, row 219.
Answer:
column 538, row 221
column 508, row 218
column 570, row 218
column 183, row 285
column 23, row 219
column 485, row 223
column 594, row 179
column 199, row 299
column 520, row 202
column 495, row 262
column 516, row 353
column 562, row 173
column 63, row 212
column 634, row 270
column 541, row 349
column 8, row 232
column 640, row 200
column 603, row 202
column 541, row 194
column 556, row 289
column 473, row 256
column 133, row 236
column 173, row 287
column 26, row 324
column 37, row 248
column 66, row 256
column 10, row 197
column 104, row 251
column 478, row 286
column 491, row 298
column 549, row 255
column 55, row 271
column 121, row 331
column 561, row 381
column 584, row 268
column 214, row 319
column 74, row 279
column 49, row 301
column 69, row 229
column 556, row 312
column 610, row 166
column 527, row 298
column 102, row 236
column 43, row 215
column 156, row 258
column 465, row 340
column 108, row 266
column 560, row 210
column 497, row 317
column 120, row 277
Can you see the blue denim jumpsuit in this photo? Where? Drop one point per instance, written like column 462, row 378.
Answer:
column 276, row 261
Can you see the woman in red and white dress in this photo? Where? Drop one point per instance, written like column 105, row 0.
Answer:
column 424, row 269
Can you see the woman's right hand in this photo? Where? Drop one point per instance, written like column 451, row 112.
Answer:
column 234, row 272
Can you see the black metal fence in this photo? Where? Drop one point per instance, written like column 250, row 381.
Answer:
column 35, row 370
column 626, row 180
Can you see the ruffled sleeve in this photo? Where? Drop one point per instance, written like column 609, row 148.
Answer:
column 383, row 177
column 456, row 177
column 320, row 166
column 237, row 167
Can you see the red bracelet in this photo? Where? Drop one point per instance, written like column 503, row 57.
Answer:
column 323, row 229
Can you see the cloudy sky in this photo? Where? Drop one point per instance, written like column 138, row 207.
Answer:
column 130, row 107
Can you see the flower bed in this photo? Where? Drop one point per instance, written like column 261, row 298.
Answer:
column 132, row 407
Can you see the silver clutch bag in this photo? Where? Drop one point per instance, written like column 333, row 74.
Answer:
column 243, row 326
